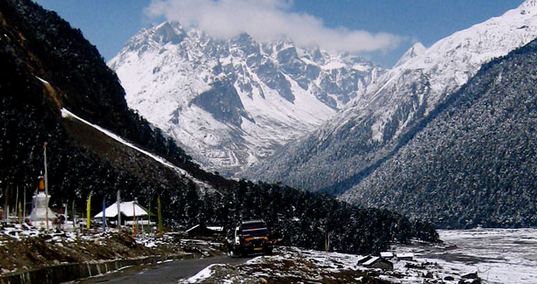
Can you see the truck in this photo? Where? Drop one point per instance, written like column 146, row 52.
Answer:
column 251, row 237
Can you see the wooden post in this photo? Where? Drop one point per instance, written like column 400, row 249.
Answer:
column 104, row 213
column 75, row 226
column 327, row 242
column 6, row 207
column 88, row 212
column 17, row 207
column 159, row 214
column 46, row 183
column 24, row 205
column 118, row 201
column 149, row 216
column 134, row 219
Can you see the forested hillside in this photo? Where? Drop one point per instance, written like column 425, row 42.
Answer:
column 474, row 161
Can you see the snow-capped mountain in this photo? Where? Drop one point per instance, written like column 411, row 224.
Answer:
column 232, row 102
column 373, row 126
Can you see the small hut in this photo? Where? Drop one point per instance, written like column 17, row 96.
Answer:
column 387, row 254
column 201, row 231
column 130, row 211
column 405, row 256
column 378, row 262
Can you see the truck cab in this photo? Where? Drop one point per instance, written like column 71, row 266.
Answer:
column 251, row 237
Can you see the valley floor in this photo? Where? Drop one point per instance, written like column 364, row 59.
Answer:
column 294, row 265
column 466, row 256
column 491, row 255
column 497, row 255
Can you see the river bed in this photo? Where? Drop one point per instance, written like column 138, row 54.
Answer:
column 497, row 255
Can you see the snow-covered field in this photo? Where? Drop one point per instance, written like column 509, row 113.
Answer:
column 497, row 255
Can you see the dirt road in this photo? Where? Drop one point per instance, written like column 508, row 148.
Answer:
column 167, row 272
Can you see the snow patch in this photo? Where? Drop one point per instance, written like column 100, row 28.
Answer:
column 66, row 114
column 202, row 275
column 42, row 80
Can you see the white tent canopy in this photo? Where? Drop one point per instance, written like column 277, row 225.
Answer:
column 129, row 209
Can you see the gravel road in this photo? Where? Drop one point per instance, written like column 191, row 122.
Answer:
column 167, row 272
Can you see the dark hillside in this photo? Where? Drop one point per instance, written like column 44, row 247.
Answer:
column 474, row 161
column 59, row 54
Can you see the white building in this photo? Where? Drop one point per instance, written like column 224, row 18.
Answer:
column 131, row 212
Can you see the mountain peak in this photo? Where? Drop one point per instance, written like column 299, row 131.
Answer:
column 415, row 50
column 168, row 32
column 418, row 48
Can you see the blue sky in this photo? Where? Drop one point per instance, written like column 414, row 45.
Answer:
column 108, row 24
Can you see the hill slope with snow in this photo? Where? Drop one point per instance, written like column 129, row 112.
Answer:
column 474, row 161
column 233, row 102
column 356, row 141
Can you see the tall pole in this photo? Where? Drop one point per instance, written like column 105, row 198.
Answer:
column 24, row 204
column 4, row 196
column 159, row 213
column 6, row 206
column 142, row 226
column 63, row 221
column 46, row 183
column 327, row 245
column 134, row 219
column 17, row 207
column 74, row 217
column 104, row 213
column 149, row 216
column 88, row 212
column 118, row 202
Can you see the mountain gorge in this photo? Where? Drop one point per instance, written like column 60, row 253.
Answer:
column 231, row 103
column 366, row 133
column 57, row 89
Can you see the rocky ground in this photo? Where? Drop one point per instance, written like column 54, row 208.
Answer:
column 293, row 265
column 24, row 248
column 494, row 256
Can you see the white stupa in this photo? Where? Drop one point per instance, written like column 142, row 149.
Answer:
column 41, row 214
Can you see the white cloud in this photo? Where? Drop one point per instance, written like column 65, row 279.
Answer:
column 268, row 20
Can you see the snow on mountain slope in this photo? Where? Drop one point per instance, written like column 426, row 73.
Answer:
column 233, row 102
column 473, row 162
column 67, row 114
column 356, row 140
column 450, row 62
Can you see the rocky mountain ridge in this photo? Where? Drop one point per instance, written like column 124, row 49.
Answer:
column 372, row 127
column 233, row 102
